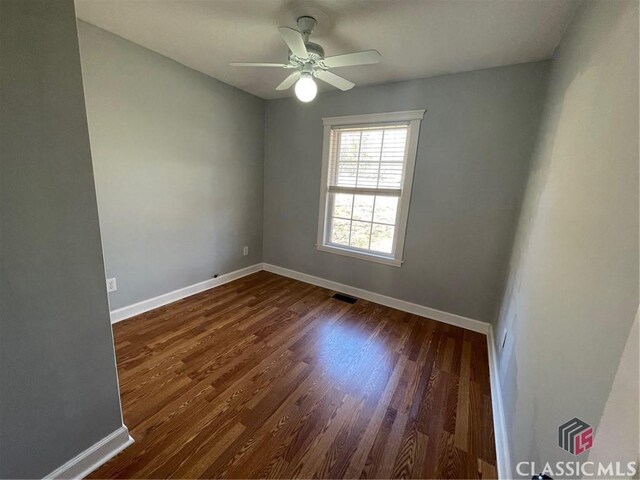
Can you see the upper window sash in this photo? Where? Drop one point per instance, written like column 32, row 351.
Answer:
column 371, row 157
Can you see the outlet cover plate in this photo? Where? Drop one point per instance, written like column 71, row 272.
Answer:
column 112, row 285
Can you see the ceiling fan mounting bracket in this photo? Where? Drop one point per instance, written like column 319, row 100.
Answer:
column 306, row 24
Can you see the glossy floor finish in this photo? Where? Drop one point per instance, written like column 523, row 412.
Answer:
column 271, row 377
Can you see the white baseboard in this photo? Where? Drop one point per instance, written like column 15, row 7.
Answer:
column 444, row 317
column 99, row 453
column 166, row 298
column 503, row 457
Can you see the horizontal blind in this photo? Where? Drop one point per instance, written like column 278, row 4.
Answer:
column 368, row 159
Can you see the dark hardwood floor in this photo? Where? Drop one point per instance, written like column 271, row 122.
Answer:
column 270, row 377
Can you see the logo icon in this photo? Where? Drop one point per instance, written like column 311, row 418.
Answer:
column 575, row 436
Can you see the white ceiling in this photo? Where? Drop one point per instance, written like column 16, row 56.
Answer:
column 417, row 38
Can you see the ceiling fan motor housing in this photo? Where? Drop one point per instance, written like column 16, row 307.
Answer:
column 316, row 52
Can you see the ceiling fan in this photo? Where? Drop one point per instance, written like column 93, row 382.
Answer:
column 307, row 60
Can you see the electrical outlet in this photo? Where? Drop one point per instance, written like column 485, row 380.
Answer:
column 112, row 286
column 245, row 251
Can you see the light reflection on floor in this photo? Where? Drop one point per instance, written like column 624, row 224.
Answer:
column 351, row 356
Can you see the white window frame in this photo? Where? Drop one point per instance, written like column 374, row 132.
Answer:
column 413, row 117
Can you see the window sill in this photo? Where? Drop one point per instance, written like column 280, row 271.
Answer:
column 371, row 257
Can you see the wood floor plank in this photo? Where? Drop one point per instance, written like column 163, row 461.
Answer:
column 269, row 377
column 461, row 431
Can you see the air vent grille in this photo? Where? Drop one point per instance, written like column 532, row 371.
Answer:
column 345, row 298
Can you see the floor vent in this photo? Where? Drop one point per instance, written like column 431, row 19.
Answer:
column 345, row 298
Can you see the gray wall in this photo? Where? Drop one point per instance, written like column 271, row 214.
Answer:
column 57, row 368
column 178, row 168
column 474, row 152
column 573, row 288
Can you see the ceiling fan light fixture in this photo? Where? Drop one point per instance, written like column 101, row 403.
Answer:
column 306, row 88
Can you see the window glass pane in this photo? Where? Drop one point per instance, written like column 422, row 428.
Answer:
column 360, row 233
column 371, row 145
column 386, row 209
column 342, row 203
column 340, row 231
column 346, row 174
column 382, row 238
column 363, row 207
column 349, row 142
column 368, row 175
column 390, row 175
column 394, row 145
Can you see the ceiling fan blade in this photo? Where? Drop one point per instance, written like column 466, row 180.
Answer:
column 290, row 80
column 249, row 64
column 357, row 58
column 335, row 80
column 294, row 41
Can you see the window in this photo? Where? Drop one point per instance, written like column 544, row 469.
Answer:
column 367, row 172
